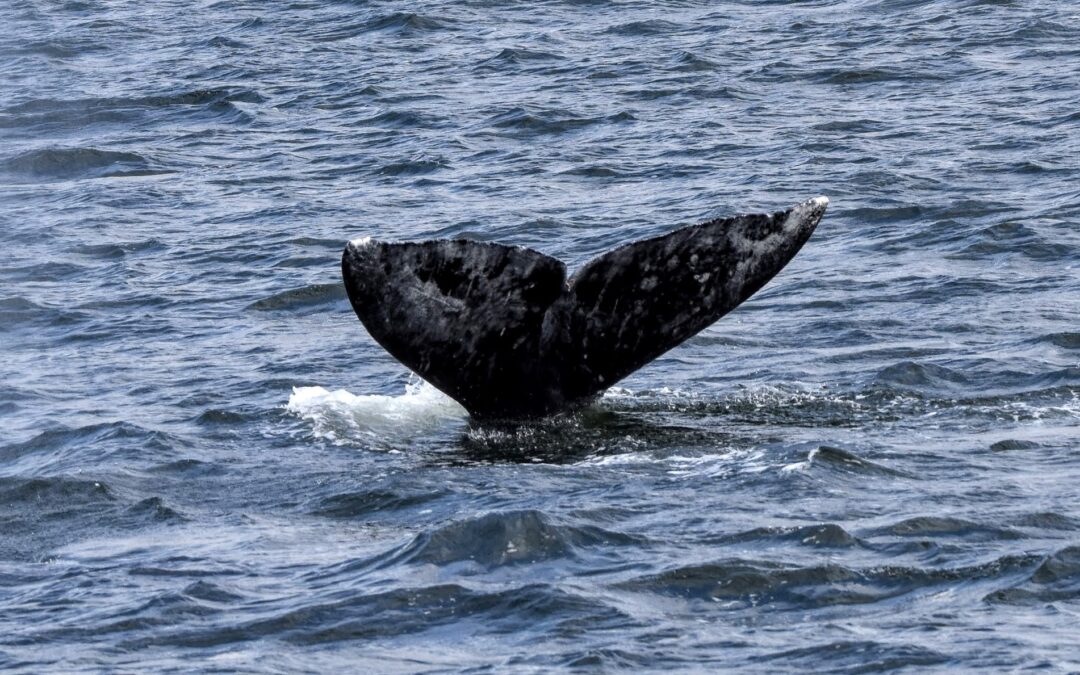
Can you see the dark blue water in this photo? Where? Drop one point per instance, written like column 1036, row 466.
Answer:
column 206, row 463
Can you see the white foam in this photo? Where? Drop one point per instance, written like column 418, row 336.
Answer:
column 723, row 464
column 802, row 466
column 342, row 417
column 663, row 393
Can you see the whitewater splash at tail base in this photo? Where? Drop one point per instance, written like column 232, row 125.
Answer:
column 339, row 416
column 503, row 331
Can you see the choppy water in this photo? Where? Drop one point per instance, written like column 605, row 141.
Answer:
column 206, row 463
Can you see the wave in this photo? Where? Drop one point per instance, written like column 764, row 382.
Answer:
column 978, row 385
column 398, row 23
column 412, row 167
column 369, row 502
column 690, row 62
column 854, row 656
column 742, row 583
column 842, row 461
column 648, row 27
column 508, row 57
column 46, row 494
column 41, row 115
column 942, row 526
column 1056, row 579
column 306, row 297
column 189, row 97
column 59, row 48
column 68, row 449
column 372, row 616
column 825, row 535
column 550, row 122
column 507, row 538
column 18, row 311
column 57, row 164
column 1065, row 340
column 118, row 250
column 1011, row 239
column 45, row 513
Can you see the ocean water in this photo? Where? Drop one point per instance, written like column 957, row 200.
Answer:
column 207, row 464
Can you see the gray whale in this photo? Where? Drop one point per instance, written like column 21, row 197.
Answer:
column 503, row 331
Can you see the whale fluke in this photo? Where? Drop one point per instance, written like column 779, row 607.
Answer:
column 503, row 331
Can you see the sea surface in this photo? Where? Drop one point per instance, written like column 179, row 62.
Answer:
column 206, row 464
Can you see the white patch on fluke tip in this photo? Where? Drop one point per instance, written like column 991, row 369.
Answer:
column 799, row 213
column 753, row 250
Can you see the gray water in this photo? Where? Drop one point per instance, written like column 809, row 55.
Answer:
column 207, row 464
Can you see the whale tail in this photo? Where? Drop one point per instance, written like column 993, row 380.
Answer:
column 503, row 331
